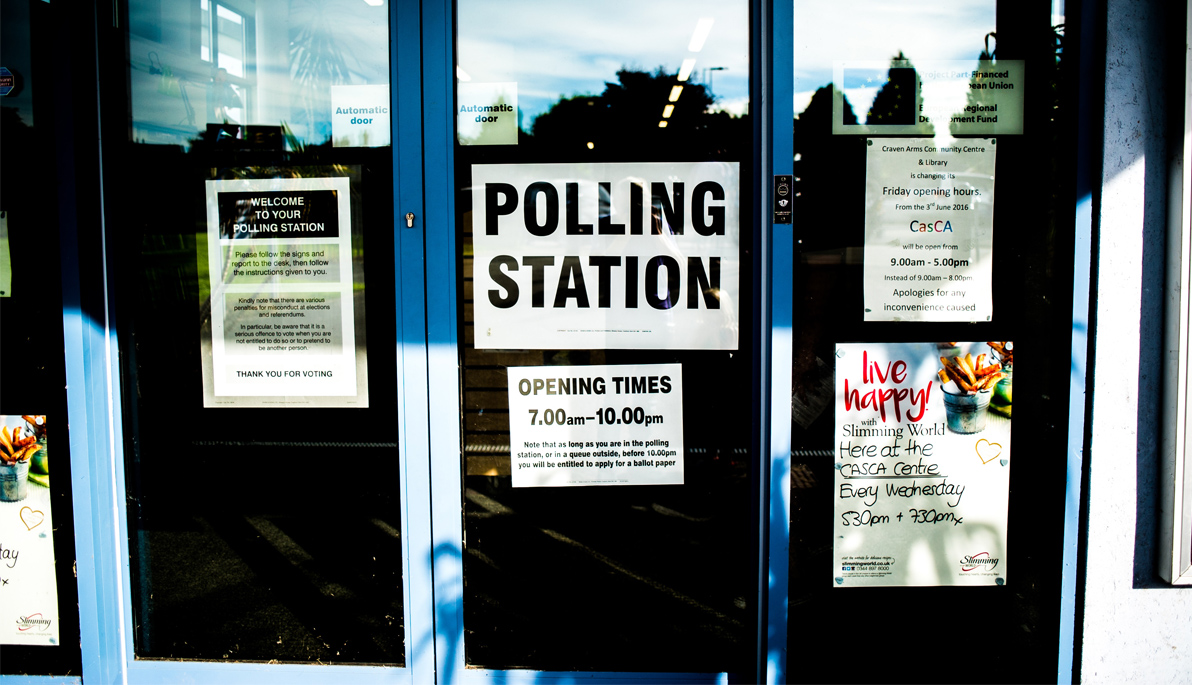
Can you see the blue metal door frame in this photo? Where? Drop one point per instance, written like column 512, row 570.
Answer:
column 772, row 101
column 428, row 390
column 94, row 402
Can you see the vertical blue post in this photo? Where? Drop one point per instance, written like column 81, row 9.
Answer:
column 779, row 82
column 1090, row 113
column 438, row 117
column 405, row 60
column 89, row 348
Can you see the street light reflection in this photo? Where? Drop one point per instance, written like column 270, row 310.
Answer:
column 702, row 29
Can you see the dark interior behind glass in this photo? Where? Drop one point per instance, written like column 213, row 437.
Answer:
column 255, row 534
column 978, row 634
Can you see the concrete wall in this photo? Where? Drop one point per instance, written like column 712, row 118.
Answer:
column 1136, row 628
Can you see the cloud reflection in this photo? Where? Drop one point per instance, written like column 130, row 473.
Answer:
column 554, row 50
column 826, row 33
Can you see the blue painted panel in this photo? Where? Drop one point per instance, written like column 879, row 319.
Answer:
column 1088, row 169
column 519, row 677
column 780, row 36
column 438, row 80
column 405, row 40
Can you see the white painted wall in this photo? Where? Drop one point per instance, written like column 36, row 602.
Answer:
column 1136, row 628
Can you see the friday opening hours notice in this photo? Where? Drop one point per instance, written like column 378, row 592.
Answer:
column 929, row 229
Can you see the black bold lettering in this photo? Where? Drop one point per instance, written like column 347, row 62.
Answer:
column 537, row 269
column 607, row 227
column 495, row 207
column 673, row 210
column 565, row 290
column 552, row 209
column 500, row 278
column 672, row 282
column 631, row 282
column 604, row 267
column 715, row 212
column 699, row 282
column 574, row 227
column 635, row 209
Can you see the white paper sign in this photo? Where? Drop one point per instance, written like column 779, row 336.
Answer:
column 929, row 229
column 487, row 113
column 922, row 474
column 28, row 584
column 360, row 116
column 606, row 256
column 931, row 97
column 596, row 425
column 284, row 312
column 5, row 258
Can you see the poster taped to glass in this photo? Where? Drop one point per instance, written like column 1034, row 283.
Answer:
column 286, row 295
column 922, row 457
column 28, row 583
column 606, row 256
column 596, row 425
column 929, row 229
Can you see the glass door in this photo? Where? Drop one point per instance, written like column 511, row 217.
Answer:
column 264, row 225
column 932, row 171
column 596, row 501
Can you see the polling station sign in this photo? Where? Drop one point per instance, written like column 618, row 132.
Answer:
column 606, row 256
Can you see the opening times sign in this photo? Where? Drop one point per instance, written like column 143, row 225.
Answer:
column 284, row 315
column 606, row 256
column 596, row 425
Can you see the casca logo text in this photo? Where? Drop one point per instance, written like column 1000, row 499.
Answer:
column 940, row 226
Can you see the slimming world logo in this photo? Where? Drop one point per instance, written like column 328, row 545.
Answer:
column 981, row 560
column 33, row 622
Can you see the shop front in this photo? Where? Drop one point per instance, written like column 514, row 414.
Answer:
column 548, row 342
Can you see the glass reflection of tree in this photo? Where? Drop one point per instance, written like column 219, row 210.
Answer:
column 825, row 176
column 623, row 122
column 828, row 209
column 899, row 97
column 978, row 97
column 316, row 58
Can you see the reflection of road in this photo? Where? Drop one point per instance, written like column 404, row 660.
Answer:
column 267, row 587
column 605, row 579
column 651, row 578
column 254, row 562
column 494, row 507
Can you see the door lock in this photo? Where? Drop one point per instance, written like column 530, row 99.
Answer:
column 409, row 219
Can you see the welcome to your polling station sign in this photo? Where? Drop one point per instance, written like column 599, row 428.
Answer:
column 606, row 256
column 285, row 308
